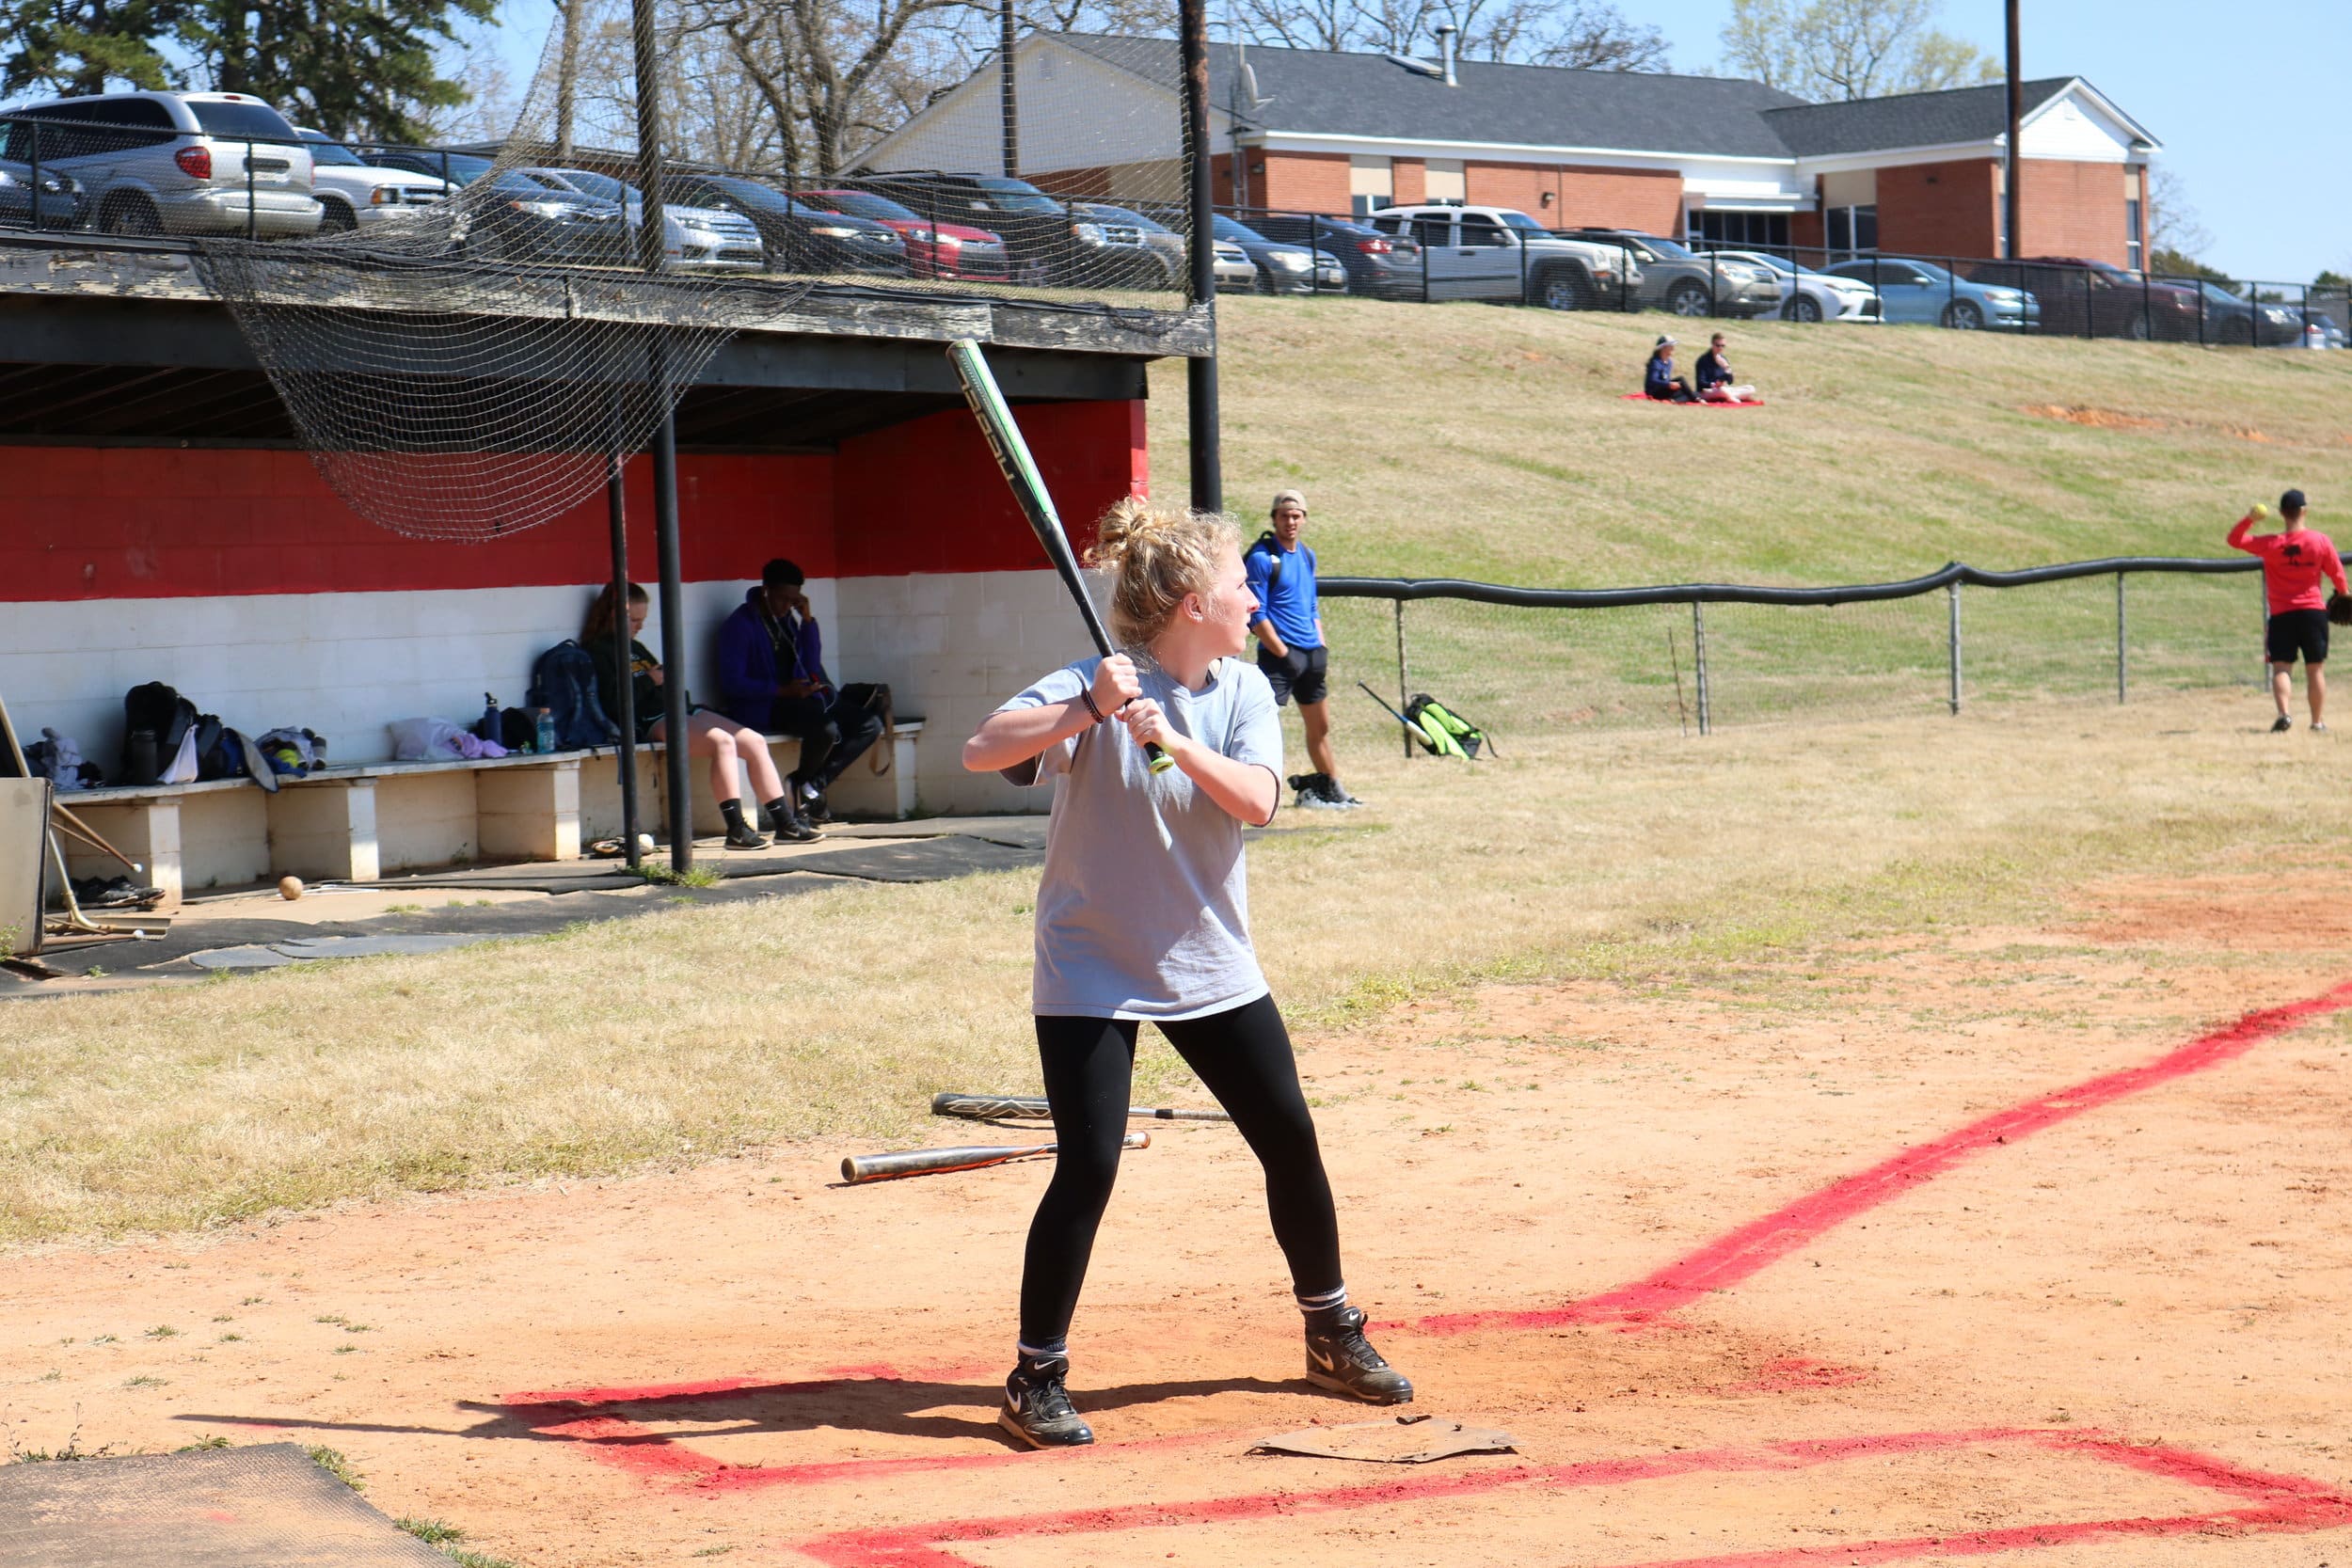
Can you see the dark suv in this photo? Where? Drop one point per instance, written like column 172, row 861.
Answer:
column 1047, row 241
column 2081, row 297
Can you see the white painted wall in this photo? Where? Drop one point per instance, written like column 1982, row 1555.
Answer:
column 342, row 664
column 2070, row 130
column 1075, row 112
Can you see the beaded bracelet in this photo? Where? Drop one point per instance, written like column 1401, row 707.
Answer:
column 1086, row 696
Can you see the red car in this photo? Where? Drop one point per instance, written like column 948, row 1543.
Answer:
column 933, row 249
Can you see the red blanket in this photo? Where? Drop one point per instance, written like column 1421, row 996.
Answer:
column 1645, row 397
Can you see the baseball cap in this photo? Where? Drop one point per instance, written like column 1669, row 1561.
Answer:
column 779, row 572
column 1286, row 497
column 1665, row 341
column 2291, row 501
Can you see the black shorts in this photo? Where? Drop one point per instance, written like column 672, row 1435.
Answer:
column 1309, row 684
column 2299, row 632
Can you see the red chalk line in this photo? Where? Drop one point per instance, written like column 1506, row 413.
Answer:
column 1761, row 1242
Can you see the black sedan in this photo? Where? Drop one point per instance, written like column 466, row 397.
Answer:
column 799, row 237
column 59, row 202
column 1384, row 266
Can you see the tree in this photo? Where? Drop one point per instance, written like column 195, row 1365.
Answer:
column 2173, row 224
column 67, row 47
column 1584, row 35
column 1841, row 50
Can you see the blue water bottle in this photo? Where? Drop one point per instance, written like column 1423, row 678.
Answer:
column 543, row 739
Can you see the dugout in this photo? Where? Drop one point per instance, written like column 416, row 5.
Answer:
column 164, row 523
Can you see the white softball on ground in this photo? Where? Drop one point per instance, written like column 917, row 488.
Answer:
column 289, row 888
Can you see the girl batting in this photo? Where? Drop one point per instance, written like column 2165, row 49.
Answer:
column 1142, row 915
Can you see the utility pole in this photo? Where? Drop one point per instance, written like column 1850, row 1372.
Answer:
column 2011, row 206
column 1008, row 93
column 1208, row 480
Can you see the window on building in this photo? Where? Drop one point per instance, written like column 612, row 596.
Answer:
column 1745, row 230
column 1446, row 182
column 1371, row 184
column 2135, row 235
column 1852, row 230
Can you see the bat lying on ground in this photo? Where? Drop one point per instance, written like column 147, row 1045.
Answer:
column 859, row 1168
column 1013, row 455
column 1015, row 1107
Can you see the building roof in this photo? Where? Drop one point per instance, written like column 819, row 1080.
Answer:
column 1319, row 93
column 1905, row 120
column 1310, row 91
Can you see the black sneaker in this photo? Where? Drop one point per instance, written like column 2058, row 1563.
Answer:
column 1038, row 1409
column 1340, row 1358
column 815, row 811
column 2283, row 725
column 793, row 826
column 744, row 838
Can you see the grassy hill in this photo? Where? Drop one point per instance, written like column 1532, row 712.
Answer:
column 1476, row 441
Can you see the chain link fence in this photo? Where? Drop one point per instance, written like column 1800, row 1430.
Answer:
column 1695, row 658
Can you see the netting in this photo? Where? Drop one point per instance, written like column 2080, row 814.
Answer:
column 1548, row 669
column 464, row 338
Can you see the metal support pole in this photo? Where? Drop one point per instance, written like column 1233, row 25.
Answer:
column 33, row 174
column 1208, row 464
column 252, row 221
column 674, row 715
column 652, row 232
column 1404, row 675
column 2122, row 677
column 2014, row 247
column 616, row 507
column 1007, row 92
column 1698, row 665
column 1952, row 589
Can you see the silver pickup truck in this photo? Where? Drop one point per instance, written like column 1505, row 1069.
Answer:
column 1501, row 253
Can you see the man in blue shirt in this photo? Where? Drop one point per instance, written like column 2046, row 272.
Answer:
column 1291, row 650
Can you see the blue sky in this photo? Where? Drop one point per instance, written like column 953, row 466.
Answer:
column 2241, row 96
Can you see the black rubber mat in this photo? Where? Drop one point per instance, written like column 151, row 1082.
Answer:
column 261, row 1507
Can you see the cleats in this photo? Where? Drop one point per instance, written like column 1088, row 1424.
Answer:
column 1038, row 1409
column 2283, row 725
column 1340, row 1358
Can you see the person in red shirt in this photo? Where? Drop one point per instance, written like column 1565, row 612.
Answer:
column 2294, row 561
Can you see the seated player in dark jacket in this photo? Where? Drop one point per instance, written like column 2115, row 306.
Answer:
column 1658, row 379
column 772, row 674
column 710, row 735
column 1715, row 378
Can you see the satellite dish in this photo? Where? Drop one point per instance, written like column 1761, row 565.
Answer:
column 1419, row 68
column 1249, row 89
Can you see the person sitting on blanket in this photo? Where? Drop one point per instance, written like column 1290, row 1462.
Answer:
column 1658, row 381
column 1714, row 374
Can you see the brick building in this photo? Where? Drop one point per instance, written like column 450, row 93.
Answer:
column 1703, row 157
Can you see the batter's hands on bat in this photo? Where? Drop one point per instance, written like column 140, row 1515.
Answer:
column 1148, row 723
column 1116, row 684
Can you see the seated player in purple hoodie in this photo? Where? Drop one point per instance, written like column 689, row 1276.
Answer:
column 771, row 675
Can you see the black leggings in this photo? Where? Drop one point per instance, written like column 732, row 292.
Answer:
column 1244, row 1056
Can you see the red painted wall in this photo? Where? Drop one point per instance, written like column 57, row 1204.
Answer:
column 924, row 496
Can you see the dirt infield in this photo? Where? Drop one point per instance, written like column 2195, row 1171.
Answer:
column 2021, row 1242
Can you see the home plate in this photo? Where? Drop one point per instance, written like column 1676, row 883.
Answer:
column 1399, row 1440
column 267, row 1506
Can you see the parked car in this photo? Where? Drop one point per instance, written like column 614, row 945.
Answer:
column 1501, row 253
column 1234, row 269
column 2079, row 296
column 694, row 239
column 2231, row 318
column 1921, row 292
column 1284, row 269
column 940, row 249
column 1386, row 266
column 458, row 168
column 1809, row 295
column 60, row 203
column 516, row 218
column 351, row 191
column 1047, row 243
column 1160, row 259
column 799, row 236
column 1677, row 279
column 175, row 163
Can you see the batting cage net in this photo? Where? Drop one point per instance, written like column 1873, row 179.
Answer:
column 1694, row 658
column 465, row 336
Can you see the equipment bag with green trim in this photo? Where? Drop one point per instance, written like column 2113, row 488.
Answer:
column 1448, row 734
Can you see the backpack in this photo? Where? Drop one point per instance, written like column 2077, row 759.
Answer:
column 1446, row 734
column 565, row 683
column 1273, row 563
column 156, row 719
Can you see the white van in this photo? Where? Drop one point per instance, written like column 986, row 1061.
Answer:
column 175, row 163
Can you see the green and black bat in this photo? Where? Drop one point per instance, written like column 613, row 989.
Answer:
column 858, row 1169
column 1021, row 1107
column 1029, row 488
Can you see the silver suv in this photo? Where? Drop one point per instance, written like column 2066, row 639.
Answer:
column 175, row 163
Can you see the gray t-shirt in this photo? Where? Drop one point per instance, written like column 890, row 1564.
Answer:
column 1143, row 910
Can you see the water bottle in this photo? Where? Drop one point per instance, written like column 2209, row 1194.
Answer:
column 543, row 739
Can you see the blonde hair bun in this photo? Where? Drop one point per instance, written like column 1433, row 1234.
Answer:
column 1156, row 552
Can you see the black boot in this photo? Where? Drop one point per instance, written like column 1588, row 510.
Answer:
column 1038, row 1409
column 1340, row 1358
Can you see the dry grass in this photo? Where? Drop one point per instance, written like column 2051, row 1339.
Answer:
column 1475, row 442
column 699, row 1032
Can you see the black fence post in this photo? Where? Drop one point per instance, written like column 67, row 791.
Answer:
column 1714, row 286
column 2123, row 687
column 1953, row 644
column 1624, row 276
column 1404, row 676
column 2147, row 312
column 1520, row 239
column 2199, row 284
column 252, row 224
column 1424, row 242
column 35, row 165
column 2089, row 304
